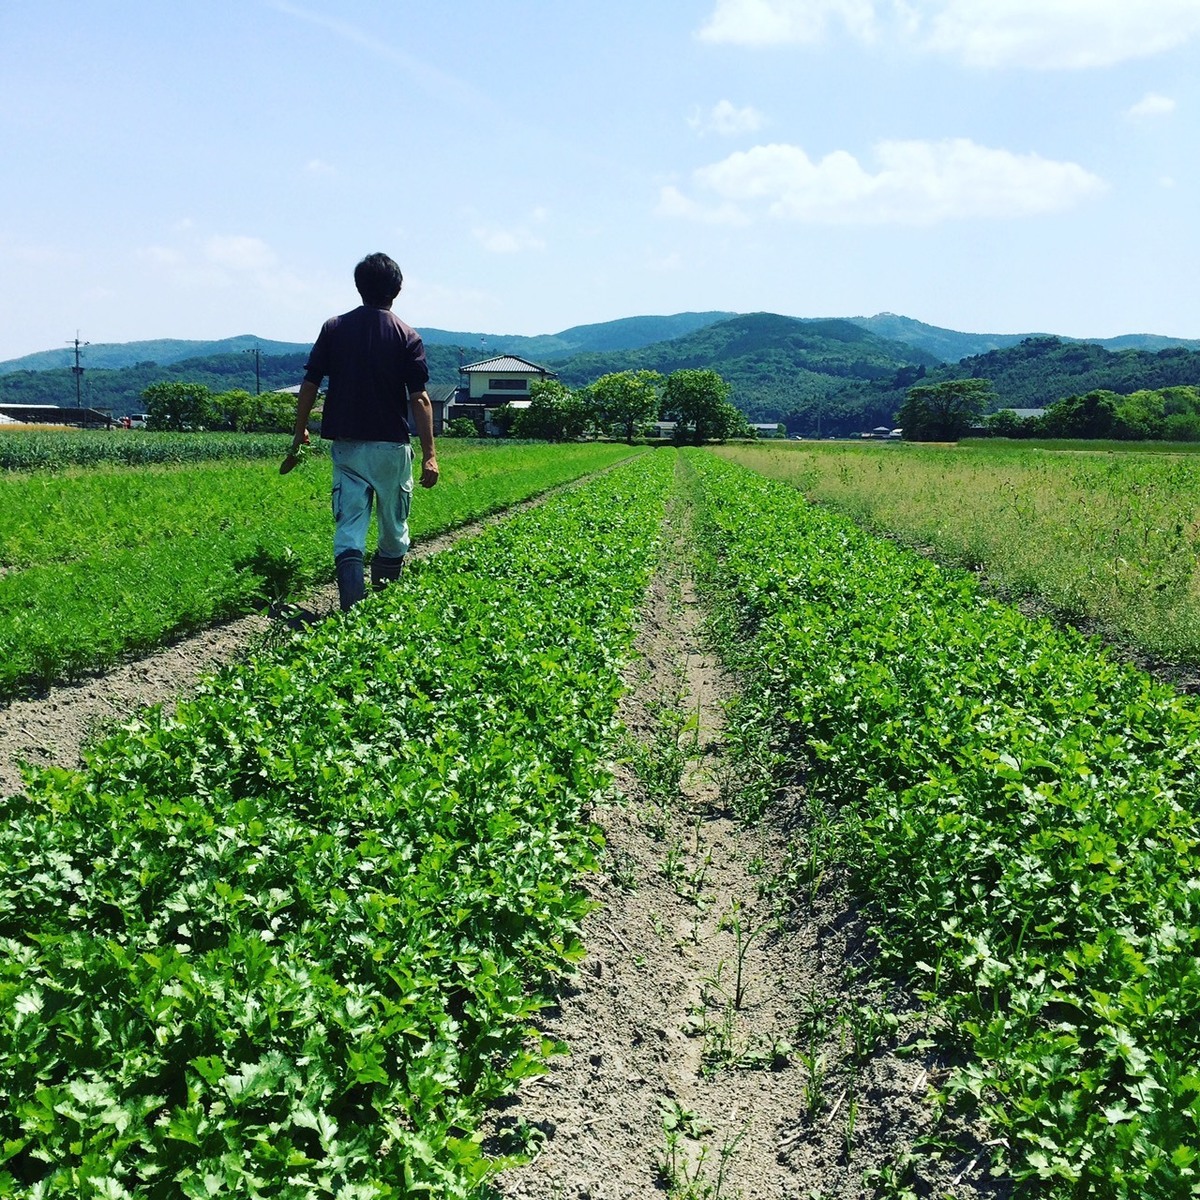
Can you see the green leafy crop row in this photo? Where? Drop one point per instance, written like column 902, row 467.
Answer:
column 1018, row 811
column 58, row 450
column 289, row 941
column 97, row 565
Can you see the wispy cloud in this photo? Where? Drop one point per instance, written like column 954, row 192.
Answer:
column 775, row 22
column 498, row 240
column 726, row 119
column 1039, row 34
column 1152, row 105
column 912, row 183
column 673, row 203
column 239, row 253
column 430, row 79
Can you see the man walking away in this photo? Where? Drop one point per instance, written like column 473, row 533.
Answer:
column 376, row 398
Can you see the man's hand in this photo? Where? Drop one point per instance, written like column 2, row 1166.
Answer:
column 429, row 471
column 292, row 459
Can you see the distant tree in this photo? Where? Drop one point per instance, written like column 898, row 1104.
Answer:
column 698, row 402
column 555, row 413
column 238, row 410
column 625, row 402
column 175, row 406
column 1006, row 424
column 943, row 412
column 1090, row 416
column 463, row 427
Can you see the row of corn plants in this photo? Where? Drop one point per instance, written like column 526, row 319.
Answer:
column 101, row 564
column 290, row 941
column 62, row 449
column 1016, row 809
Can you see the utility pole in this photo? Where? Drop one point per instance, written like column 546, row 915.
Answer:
column 257, row 377
column 77, row 370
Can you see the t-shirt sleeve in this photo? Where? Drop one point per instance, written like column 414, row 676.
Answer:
column 317, row 366
column 417, row 374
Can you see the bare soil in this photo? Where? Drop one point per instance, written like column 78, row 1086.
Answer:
column 712, row 1027
column 722, row 1041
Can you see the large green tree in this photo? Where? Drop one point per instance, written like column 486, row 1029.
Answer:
column 268, row 412
column 625, row 402
column 697, row 400
column 175, row 406
column 555, row 413
column 943, row 412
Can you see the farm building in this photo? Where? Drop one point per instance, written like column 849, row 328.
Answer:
column 55, row 414
column 488, row 385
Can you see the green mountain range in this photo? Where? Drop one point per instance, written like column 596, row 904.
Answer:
column 816, row 375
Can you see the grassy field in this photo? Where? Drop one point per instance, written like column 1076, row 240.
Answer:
column 98, row 563
column 1109, row 539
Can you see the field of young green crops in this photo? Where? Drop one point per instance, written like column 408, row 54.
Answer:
column 1112, row 539
column 97, row 564
column 290, row 942
column 1019, row 812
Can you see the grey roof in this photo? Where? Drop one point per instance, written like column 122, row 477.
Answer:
column 505, row 362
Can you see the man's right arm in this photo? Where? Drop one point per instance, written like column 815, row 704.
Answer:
column 304, row 406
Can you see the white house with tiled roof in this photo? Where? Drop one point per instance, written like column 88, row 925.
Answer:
column 491, row 383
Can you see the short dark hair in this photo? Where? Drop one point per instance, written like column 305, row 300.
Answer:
column 378, row 279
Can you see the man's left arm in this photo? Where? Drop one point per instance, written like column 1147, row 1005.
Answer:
column 421, row 408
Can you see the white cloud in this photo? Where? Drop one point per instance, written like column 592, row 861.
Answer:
column 772, row 22
column 318, row 166
column 238, row 253
column 506, row 241
column 1042, row 34
column 1152, row 105
column 161, row 256
column 673, row 203
column 727, row 120
column 914, row 183
column 1060, row 33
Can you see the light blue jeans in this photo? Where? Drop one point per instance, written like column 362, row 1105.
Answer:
column 366, row 471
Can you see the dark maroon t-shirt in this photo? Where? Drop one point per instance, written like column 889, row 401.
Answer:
column 373, row 361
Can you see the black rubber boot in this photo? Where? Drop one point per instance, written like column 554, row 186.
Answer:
column 351, row 585
column 385, row 570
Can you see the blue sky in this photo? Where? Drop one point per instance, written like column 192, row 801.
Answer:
column 216, row 168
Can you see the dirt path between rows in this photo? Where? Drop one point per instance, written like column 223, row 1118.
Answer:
column 717, row 1045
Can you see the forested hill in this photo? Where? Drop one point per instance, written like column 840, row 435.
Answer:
column 627, row 333
column 120, row 391
column 951, row 346
column 817, row 376
column 112, row 356
column 779, row 367
column 1040, row 371
column 622, row 334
